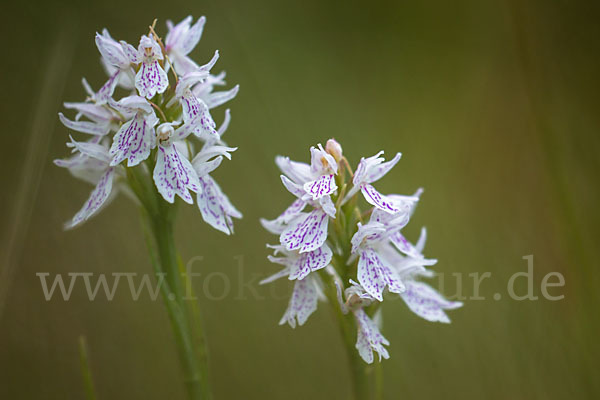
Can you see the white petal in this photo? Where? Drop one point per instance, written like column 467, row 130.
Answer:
column 97, row 198
column 111, row 50
column 215, row 207
column 302, row 303
column 91, row 128
column 107, row 90
column 209, row 152
column 151, row 79
column 90, row 149
column 275, row 276
column 133, row 141
column 196, row 113
column 374, row 275
column 427, row 303
column 176, row 33
column 225, row 123
column 92, row 111
column 215, row 99
column 377, row 171
column 310, row 262
column 373, row 197
column 323, row 186
column 277, row 226
column 191, row 38
column 294, row 188
column 370, row 232
column 327, row 206
column 183, row 64
column 307, row 232
column 205, row 168
column 174, row 175
column 190, row 79
column 321, row 161
column 131, row 52
column 208, row 66
column 421, row 242
column 298, row 172
column 369, row 338
column 131, row 104
column 364, row 165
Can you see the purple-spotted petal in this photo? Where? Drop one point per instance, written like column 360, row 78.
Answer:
column 373, row 197
column 133, row 141
column 369, row 338
column 310, row 262
column 368, row 233
column 307, row 232
column 97, row 198
column 196, row 113
column 374, row 275
column 404, row 245
column 215, row 207
column 302, row 303
column 427, row 303
column 131, row 52
column 323, row 186
column 111, row 50
column 174, row 175
column 151, row 79
column 107, row 90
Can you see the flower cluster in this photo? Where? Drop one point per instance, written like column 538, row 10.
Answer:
column 160, row 128
column 335, row 243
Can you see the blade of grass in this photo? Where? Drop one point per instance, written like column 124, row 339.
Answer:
column 88, row 383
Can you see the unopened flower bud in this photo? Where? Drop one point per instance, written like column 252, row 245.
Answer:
column 334, row 148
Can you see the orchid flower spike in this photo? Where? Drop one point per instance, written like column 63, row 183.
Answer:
column 327, row 233
column 156, row 132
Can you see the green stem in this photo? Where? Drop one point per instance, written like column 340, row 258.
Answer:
column 367, row 381
column 158, row 217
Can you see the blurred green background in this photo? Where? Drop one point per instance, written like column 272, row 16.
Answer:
column 494, row 105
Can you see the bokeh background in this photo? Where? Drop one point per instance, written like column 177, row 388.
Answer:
column 494, row 105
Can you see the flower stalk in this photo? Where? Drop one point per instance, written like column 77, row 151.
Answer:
column 188, row 333
column 157, row 145
column 158, row 219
